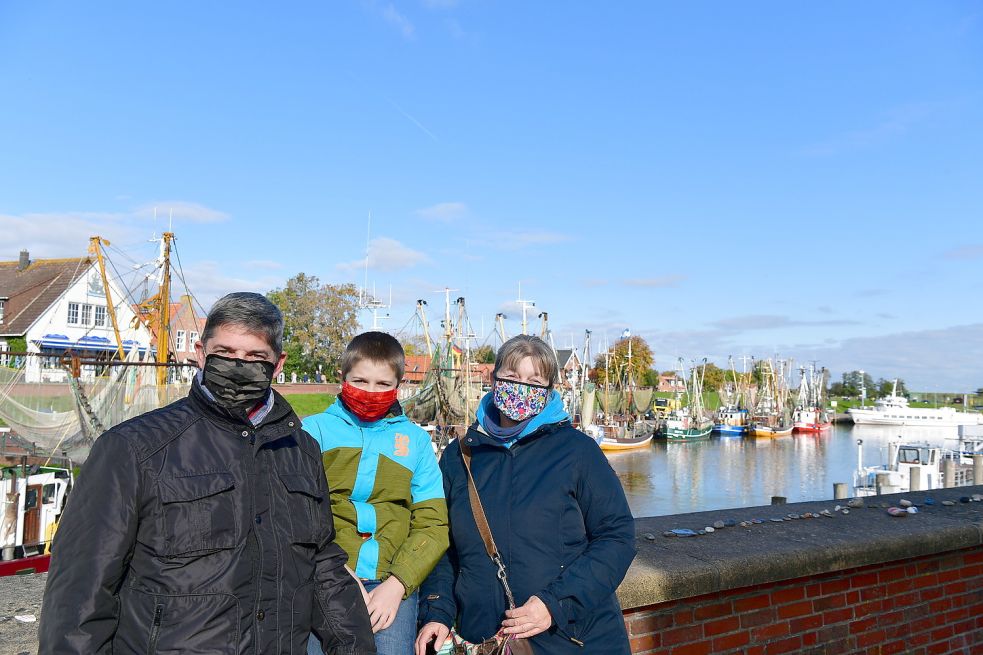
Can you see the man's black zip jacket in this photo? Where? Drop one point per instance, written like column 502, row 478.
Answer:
column 192, row 531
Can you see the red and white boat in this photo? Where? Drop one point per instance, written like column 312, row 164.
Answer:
column 809, row 414
column 33, row 499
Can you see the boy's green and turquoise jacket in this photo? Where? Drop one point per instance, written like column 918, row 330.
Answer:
column 387, row 495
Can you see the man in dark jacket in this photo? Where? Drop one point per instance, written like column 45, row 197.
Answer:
column 205, row 526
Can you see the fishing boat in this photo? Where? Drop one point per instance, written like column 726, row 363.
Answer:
column 446, row 399
column 622, row 424
column 771, row 416
column 689, row 422
column 614, row 438
column 894, row 410
column 33, row 502
column 810, row 413
column 732, row 417
column 906, row 460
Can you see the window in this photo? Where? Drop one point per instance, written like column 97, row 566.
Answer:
column 179, row 341
column 48, row 494
column 86, row 314
column 192, row 341
column 73, row 313
column 100, row 316
column 31, row 498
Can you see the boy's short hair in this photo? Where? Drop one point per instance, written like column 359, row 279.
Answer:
column 378, row 347
column 521, row 346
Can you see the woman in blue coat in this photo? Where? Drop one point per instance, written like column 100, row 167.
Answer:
column 557, row 513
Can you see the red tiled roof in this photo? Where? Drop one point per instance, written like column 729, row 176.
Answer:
column 31, row 291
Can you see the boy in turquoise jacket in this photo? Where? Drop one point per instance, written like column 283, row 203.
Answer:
column 387, row 494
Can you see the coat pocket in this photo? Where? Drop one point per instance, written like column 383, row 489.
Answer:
column 176, row 624
column 303, row 498
column 199, row 513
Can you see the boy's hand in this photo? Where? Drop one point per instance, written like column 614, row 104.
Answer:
column 384, row 603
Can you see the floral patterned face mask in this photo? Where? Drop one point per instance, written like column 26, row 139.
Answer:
column 518, row 400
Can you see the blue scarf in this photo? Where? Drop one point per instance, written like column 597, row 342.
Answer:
column 488, row 417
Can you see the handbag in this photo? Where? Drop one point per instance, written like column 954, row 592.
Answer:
column 500, row 644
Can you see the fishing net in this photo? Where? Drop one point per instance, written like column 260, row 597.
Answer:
column 69, row 414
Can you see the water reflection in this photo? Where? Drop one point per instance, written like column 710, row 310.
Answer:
column 723, row 472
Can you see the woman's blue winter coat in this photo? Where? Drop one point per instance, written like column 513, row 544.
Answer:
column 561, row 522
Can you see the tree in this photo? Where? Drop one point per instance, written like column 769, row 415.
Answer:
column 416, row 345
column 614, row 367
column 318, row 322
column 713, row 376
column 484, row 355
column 650, row 378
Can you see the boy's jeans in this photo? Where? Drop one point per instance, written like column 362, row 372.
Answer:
column 398, row 638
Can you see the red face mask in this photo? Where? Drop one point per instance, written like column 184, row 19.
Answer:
column 368, row 406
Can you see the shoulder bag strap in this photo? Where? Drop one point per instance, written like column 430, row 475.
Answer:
column 482, row 522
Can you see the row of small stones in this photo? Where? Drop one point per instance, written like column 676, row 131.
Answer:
column 853, row 503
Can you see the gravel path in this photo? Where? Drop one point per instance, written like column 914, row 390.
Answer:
column 20, row 595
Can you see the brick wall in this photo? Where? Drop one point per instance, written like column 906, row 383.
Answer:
column 920, row 606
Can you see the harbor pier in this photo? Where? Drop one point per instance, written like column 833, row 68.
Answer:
column 860, row 581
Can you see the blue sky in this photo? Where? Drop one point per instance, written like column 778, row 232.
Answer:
column 721, row 178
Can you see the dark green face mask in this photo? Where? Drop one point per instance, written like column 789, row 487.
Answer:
column 237, row 384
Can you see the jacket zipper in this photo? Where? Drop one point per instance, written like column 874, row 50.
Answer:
column 155, row 629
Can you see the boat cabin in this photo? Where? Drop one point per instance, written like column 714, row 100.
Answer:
column 33, row 498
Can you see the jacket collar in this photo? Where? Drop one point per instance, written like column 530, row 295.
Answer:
column 338, row 409
column 477, row 436
column 277, row 422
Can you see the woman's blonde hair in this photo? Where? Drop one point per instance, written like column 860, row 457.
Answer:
column 521, row 346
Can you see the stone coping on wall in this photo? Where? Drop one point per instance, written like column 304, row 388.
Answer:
column 671, row 568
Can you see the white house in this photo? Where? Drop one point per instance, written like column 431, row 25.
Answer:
column 56, row 305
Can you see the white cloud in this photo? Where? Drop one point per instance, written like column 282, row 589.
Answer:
column 398, row 20
column 181, row 210
column 66, row 234
column 656, row 282
column 387, row 254
column 972, row 251
column 770, row 322
column 210, row 280
column 894, row 124
column 264, row 264
column 54, row 235
column 443, row 212
column 943, row 359
column 518, row 239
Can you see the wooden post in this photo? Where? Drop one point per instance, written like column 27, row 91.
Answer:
column 977, row 469
column 882, row 483
column 915, row 478
column 840, row 490
column 949, row 473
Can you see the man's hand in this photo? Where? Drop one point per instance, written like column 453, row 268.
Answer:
column 529, row 620
column 435, row 632
column 384, row 602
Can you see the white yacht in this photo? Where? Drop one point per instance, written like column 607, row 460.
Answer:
column 894, row 410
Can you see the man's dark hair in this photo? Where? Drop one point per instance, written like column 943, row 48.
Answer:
column 249, row 311
column 378, row 347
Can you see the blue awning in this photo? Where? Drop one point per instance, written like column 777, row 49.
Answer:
column 88, row 343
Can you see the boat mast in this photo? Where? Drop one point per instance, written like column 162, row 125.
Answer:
column 525, row 304
column 95, row 248
column 500, row 327
column 420, row 304
column 164, row 309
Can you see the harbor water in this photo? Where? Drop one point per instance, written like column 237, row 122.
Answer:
column 727, row 472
